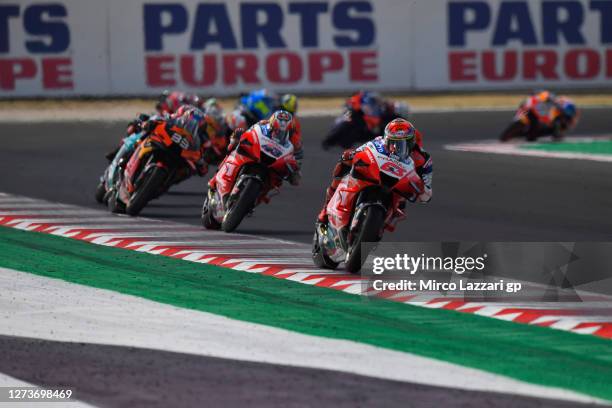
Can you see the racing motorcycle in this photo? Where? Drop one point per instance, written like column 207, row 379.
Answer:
column 160, row 160
column 352, row 127
column 114, row 168
column 532, row 121
column 251, row 174
column 367, row 202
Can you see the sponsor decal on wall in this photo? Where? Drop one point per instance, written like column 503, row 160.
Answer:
column 140, row 47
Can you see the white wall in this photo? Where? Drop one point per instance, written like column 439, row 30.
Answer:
column 391, row 45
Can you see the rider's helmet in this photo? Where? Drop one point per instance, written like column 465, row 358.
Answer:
column 401, row 109
column 544, row 96
column 289, row 102
column 192, row 100
column 169, row 102
column 371, row 104
column 193, row 121
column 235, row 120
column 400, row 138
column 568, row 107
column 211, row 103
column 215, row 119
column 281, row 124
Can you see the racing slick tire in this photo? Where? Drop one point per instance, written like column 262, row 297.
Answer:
column 243, row 204
column 513, row 131
column 115, row 205
column 147, row 190
column 100, row 192
column 369, row 231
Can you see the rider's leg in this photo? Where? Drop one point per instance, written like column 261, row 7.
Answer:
column 340, row 171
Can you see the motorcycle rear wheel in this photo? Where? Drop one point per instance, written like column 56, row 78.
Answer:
column 369, row 231
column 243, row 204
column 146, row 191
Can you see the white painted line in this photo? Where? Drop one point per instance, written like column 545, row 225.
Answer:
column 514, row 148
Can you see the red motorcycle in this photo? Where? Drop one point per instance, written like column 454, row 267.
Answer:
column 251, row 174
column 366, row 203
column 162, row 159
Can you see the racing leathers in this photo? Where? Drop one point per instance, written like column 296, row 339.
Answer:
column 423, row 164
column 369, row 114
column 295, row 138
column 545, row 101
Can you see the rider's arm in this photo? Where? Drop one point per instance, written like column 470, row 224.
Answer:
column 296, row 141
column 425, row 171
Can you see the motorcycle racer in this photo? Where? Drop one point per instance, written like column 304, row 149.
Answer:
column 402, row 141
column 546, row 101
column 258, row 105
column 169, row 102
column 280, row 127
column 366, row 113
column 191, row 123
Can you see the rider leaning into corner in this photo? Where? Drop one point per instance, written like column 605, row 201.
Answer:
column 568, row 115
column 370, row 113
column 280, row 127
column 402, row 141
column 237, row 122
column 190, row 121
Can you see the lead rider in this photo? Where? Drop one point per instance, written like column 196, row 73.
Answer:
column 401, row 141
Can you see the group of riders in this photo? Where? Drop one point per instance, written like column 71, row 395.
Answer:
column 208, row 135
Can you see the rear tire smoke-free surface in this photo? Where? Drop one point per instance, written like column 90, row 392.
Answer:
column 369, row 231
column 146, row 191
column 243, row 204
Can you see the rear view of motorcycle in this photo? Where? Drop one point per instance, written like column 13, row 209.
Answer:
column 367, row 201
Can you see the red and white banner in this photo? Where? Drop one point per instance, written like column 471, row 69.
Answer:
column 139, row 47
column 497, row 44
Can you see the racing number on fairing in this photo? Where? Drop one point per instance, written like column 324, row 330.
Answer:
column 180, row 140
column 392, row 168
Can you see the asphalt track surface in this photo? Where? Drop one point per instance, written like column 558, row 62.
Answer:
column 477, row 197
column 135, row 377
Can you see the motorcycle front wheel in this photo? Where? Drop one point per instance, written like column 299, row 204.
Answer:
column 319, row 257
column 513, row 131
column 368, row 230
column 146, row 191
column 242, row 205
column 208, row 221
column 100, row 192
